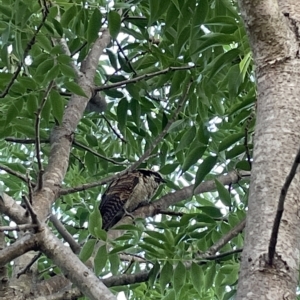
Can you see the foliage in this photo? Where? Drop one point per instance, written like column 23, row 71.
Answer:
column 164, row 45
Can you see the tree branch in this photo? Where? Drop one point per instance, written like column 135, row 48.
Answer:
column 72, row 267
column 172, row 198
column 32, row 213
column 114, row 131
column 221, row 255
column 4, row 278
column 10, row 208
column 65, row 234
column 280, row 208
column 224, row 239
column 14, row 173
column 37, row 136
column 96, row 153
column 24, row 244
column 142, row 77
column 21, row 227
column 35, row 258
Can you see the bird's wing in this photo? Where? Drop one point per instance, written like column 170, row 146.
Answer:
column 115, row 197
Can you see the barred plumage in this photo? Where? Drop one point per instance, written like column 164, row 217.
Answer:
column 126, row 193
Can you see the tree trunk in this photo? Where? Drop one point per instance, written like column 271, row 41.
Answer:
column 274, row 38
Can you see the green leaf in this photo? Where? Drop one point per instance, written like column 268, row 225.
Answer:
column 236, row 151
column 206, row 166
column 187, row 138
column 114, row 23
column 175, row 125
column 211, row 211
column 90, row 162
column 67, row 71
column 197, row 277
column 114, row 263
column 166, row 275
column 94, row 26
column 68, row 16
column 14, row 110
column 87, row 250
column 75, row 88
column 153, row 273
column 209, row 277
column 122, row 113
column 170, row 295
column 223, row 193
column 214, row 39
column 32, row 104
column 230, row 140
column 95, row 221
column 168, row 168
column 192, row 157
column 44, row 67
column 179, row 277
column 52, row 74
column 58, row 105
column 157, row 8
column 243, row 165
column 100, row 259
column 135, row 109
column 222, row 61
column 113, row 60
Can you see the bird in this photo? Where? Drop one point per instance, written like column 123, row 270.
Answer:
column 127, row 193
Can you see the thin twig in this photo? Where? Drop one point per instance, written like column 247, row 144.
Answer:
column 21, row 227
column 114, row 131
column 37, row 136
column 29, row 185
column 75, row 143
column 137, row 258
column 246, row 138
column 24, row 141
column 126, row 58
column 32, row 213
column 65, row 234
column 280, row 209
column 78, row 49
column 34, row 259
column 27, row 49
column 224, row 254
column 14, row 173
column 171, row 213
column 224, row 239
column 96, row 153
column 142, row 77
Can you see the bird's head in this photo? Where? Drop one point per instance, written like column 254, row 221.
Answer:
column 154, row 175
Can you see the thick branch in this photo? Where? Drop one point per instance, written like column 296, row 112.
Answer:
column 72, row 267
column 10, row 208
column 62, row 136
column 172, row 198
column 275, row 36
column 26, row 243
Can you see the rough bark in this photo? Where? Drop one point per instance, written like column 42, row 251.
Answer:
column 274, row 41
